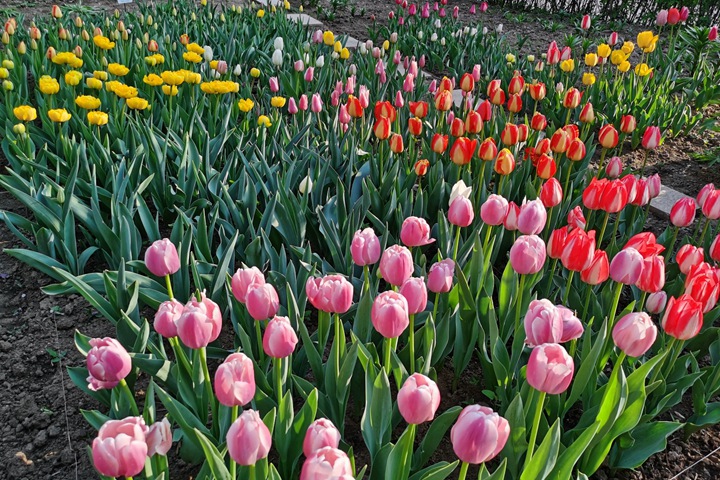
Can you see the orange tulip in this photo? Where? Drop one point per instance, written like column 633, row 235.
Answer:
column 419, row 109
column 462, row 150
column 505, row 162
column 439, row 143
column 543, row 146
column 572, row 98
column 473, row 122
column 396, row 143
column 546, row 167
column 382, row 128
column 497, row 97
column 517, row 84
column 467, row 83
column 509, row 135
column 559, row 142
column 488, row 150
column 354, row 108
column 537, row 91
column 538, row 122
column 443, row 100
column 415, row 126
column 522, row 132
column 184, row 39
column 421, row 167
column 385, row 110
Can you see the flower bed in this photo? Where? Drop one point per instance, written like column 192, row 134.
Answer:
column 229, row 166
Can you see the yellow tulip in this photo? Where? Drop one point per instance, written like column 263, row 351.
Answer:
column 214, row 64
column 278, row 102
column 48, row 85
column 192, row 57
column 100, row 75
column 588, row 79
column 125, row 91
column 510, row 58
column 88, row 102
column 153, row 80
column 172, row 78
column 25, row 113
column 264, row 120
column 260, row 13
column 103, row 43
column 137, row 103
column 4, row 73
column 328, row 37
column 73, row 77
column 9, row 64
column 170, row 90
column 118, row 69
column 19, row 129
column 94, row 83
column 337, row 47
column 617, row 57
column 624, row 66
column 191, row 77
column 254, row 72
column 344, row 53
column 218, row 87
column 567, row 65
column 628, row 48
column 647, row 40
column 245, row 105
column 195, row 48
column 7, row 85
column 591, row 59
column 642, row 70
column 59, row 115
column 97, row 118
column 386, row 45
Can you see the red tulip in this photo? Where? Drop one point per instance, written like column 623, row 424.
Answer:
column 673, row 16
column 702, row 285
column 598, row 271
column 560, row 141
column 538, row 122
column 592, row 195
column 556, row 242
column 543, row 147
column 467, row 83
column 485, row 110
column 551, row 193
column 572, row 98
column 509, row 134
column 354, row 108
column 688, row 256
column 439, row 143
column 396, row 143
column 415, row 126
column 576, row 151
column 653, row 275
column 462, row 150
column 645, row 243
column 683, row 317
column 682, row 213
column 473, row 122
column 578, row 252
column 651, row 138
column 614, row 197
column 488, row 150
column 419, row 109
column 457, row 128
column 627, row 124
column 546, row 169
column 517, row 84
column 385, row 110
column 608, row 136
column 443, row 100
column 576, row 219
column 514, row 104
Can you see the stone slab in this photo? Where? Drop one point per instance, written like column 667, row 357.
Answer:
column 663, row 203
column 304, row 19
column 276, row 3
column 352, row 43
column 457, row 97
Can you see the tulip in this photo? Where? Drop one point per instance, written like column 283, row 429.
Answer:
column 332, row 293
column 488, row 150
column 200, row 322
column 655, row 302
column 550, row 369
column 598, row 271
column 159, row 438
column 396, row 265
column 634, row 334
column 510, row 222
column 509, row 135
column 683, row 317
column 365, row 247
column 711, row 205
column 485, row 110
column 627, row 124
column 703, row 194
column 120, row 449
column 713, row 34
column 587, row 114
column 235, row 380
column 538, row 122
column 527, row 255
column 514, row 104
column 556, row 243
column 572, row 326
column 494, row 210
column 608, row 136
column 162, row 258
column 262, row 301
column 320, row 434
column 457, row 126
column 381, row 128
column 479, row 434
column 578, row 251
column 546, row 169
column 585, row 23
column 543, row 323
column 673, row 16
column 592, row 195
column 389, row 314
column 248, row 439
column 651, row 138
column 688, row 257
column 473, row 122
column 614, row 197
column 327, row 463
column 652, row 279
column 614, row 167
column 551, row 193
column 279, row 339
column 303, row 102
column 645, row 243
column 505, row 162
column 440, row 276
column 439, row 143
column 560, row 141
column 627, row 266
column 418, row 109
column 467, row 83
column 165, row 321
column 460, row 212
column 715, row 249
column 682, row 213
column 576, row 150
column 572, row 98
column 421, row 167
column 463, row 150
column 418, row 399
column 108, row 363
column 243, row 279
column 415, row 232
column 576, row 219
column 661, row 18
column 702, row 285
column 532, row 218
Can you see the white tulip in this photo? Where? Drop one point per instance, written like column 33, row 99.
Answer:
column 460, row 190
column 306, row 185
column 208, row 53
column 499, row 28
column 277, row 58
column 433, row 37
column 279, row 44
column 320, row 62
column 237, row 71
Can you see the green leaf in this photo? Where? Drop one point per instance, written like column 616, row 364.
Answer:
column 434, row 436
column 571, row 455
column 650, row 439
column 212, row 457
column 543, row 461
column 439, row 471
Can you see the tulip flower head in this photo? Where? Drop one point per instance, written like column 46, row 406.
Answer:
column 550, row 369
column 418, row 399
column 527, row 255
column 235, row 380
column 479, row 434
column 634, row 334
column 107, row 363
column 121, row 447
column 248, row 439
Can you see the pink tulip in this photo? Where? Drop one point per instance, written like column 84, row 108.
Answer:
column 461, row 212
column 222, row 67
column 576, row 219
column 715, row 249
column 711, row 205
column 396, row 265
column 418, row 399
column 327, row 463
column 682, row 213
column 303, row 103
column 634, row 334
column 550, row 369
column 343, row 115
column 614, row 167
column 654, row 185
column 389, row 314
column 442, row 13
column 689, row 256
column 653, row 275
column 235, row 380
column 274, row 84
column 684, row 14
column 472, row 9
column 120, row 448
column 316, row 103
column 292, row 106
column 543, row 323
column 483, row 7
column 159, row 438
column 365, row 247
column 415, row 292
column 662, row 18
column 317, row 36
column 651, row 138
column 527, row 255
column 309, row 74
column 572, row 326
column 551, row 194
column 440, row 276
column 532, row 218
column 409, row 83
column 162, row 258
column 320, row 434
column 399, row 100
column 415, row 232
column 626, row 267
column 299, row 66
column 713, row 34
column 200, row 322
column 107, row 362
column 412, row 9
column 494, row 210
column 350, row 85
column 703, row 194
column 262, row 301
column 279, row 339
column 364, row 96
column 655, row 302
column 479, row 434
column 585, row 23
column 456, row 11
column 243, row 279
column 166, row 318
column 565, row 53
column 248, row 439
column 511, row 219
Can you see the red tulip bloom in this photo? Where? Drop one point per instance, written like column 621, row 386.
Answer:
column 439, row 143
column 598, row 271
column 614, row 197
column 419, row 109
column 608, row 136
column 579, row 250
column 592, row 195
column 645, row 243
column 463, row 150
column 653, row 275
column 384, row 110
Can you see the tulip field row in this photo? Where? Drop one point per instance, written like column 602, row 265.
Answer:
column 297, row 241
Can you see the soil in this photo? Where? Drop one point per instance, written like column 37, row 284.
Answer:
column 42, row 432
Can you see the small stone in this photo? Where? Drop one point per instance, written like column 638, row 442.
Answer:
column 54, row 431
column 41, row 438
column 5, row 346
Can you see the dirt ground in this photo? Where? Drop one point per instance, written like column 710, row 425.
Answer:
column 43, row 434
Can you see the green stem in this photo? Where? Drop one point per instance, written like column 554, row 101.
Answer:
column 169, row 287
column 457, row 244
column 251, row 472
column 642, row 301
column 125, row 389
column 586, row 303
column 233, row 464
column 602, row 161
column 704, row 232
column 659, row 367
column 645, row 157
column 566, row 193
column 602, row 230
column 616, row 300
column 366, row 281
column 487, row 238
column 258, row 334
column 277, row 368
column 519, row 301
column 535, row 427
column 208, row 383
column 566, row 296
column 180, row 354
column 615, row 229
column 463, row 470
column 386, row 351
column 671, row 245
column 340, row 339
column 435, row 307
column 550, row 278
column 411, row 342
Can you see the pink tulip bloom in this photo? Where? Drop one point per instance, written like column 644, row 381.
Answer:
column 303, row 103
column 317, row 36
column 389, row 314
column 626, row 267
column 440, row 276
column 159, row 438
column 292, row 106
column 656, row 302
column 320, row 434
column 543, row 323
column 120, row 448
column 532, row 218
column 107, row 362
column 415, row 232
column 399, row 100
column 279, row 339
column 327, row 463
column 662, row 18
column 461, row 212
column 248, row 439
column 365, row 247
column 682, row 213
column 243, row 279
column 494, row 210
column 162, row 258
column 309, row 74
column 634, row 334
column 614, row 167
column 713, row 34
column 711, row 205
column 274, row 84
column 572, row 326
column 483, row 7
column 415, row 292
column 396, row 265
column 165, row 321
column 200, row 322
column 262, row 301
column 527, row 255
column 479, row 434
column 418, row 399
column 299, row 66
column 550, row 369
column 472, row 9
column 235, row 381
column 316, row 103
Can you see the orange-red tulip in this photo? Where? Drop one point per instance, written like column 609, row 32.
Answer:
column 572, row 98
column 560, row 141
column 382, row 128
column 488, row 150
column 537, row 91
column 419, row 109
column 385, row 110
column 497, row 97
column 443, row 100
column 538, row 122
column 543, row 146
column 514, row 103
column 473, row 122
column 509, row 135
column 415, row 126
column 421, row 167
column 576, row 150
column 505, row 162
column 457, row 128
column 587, row 114
column 445, row 85
column 492, row 86
column 467, row 83
column 517, row 84
column 439, row 143
column 628, row 124
column 546, row 167
column 354, row 107
column 522, row 132
column 396, row 143
column 462, row 150
column 485, row 111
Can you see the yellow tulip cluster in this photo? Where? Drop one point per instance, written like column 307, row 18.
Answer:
column 103, row 43
column 219, row 87
column 67, row 58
